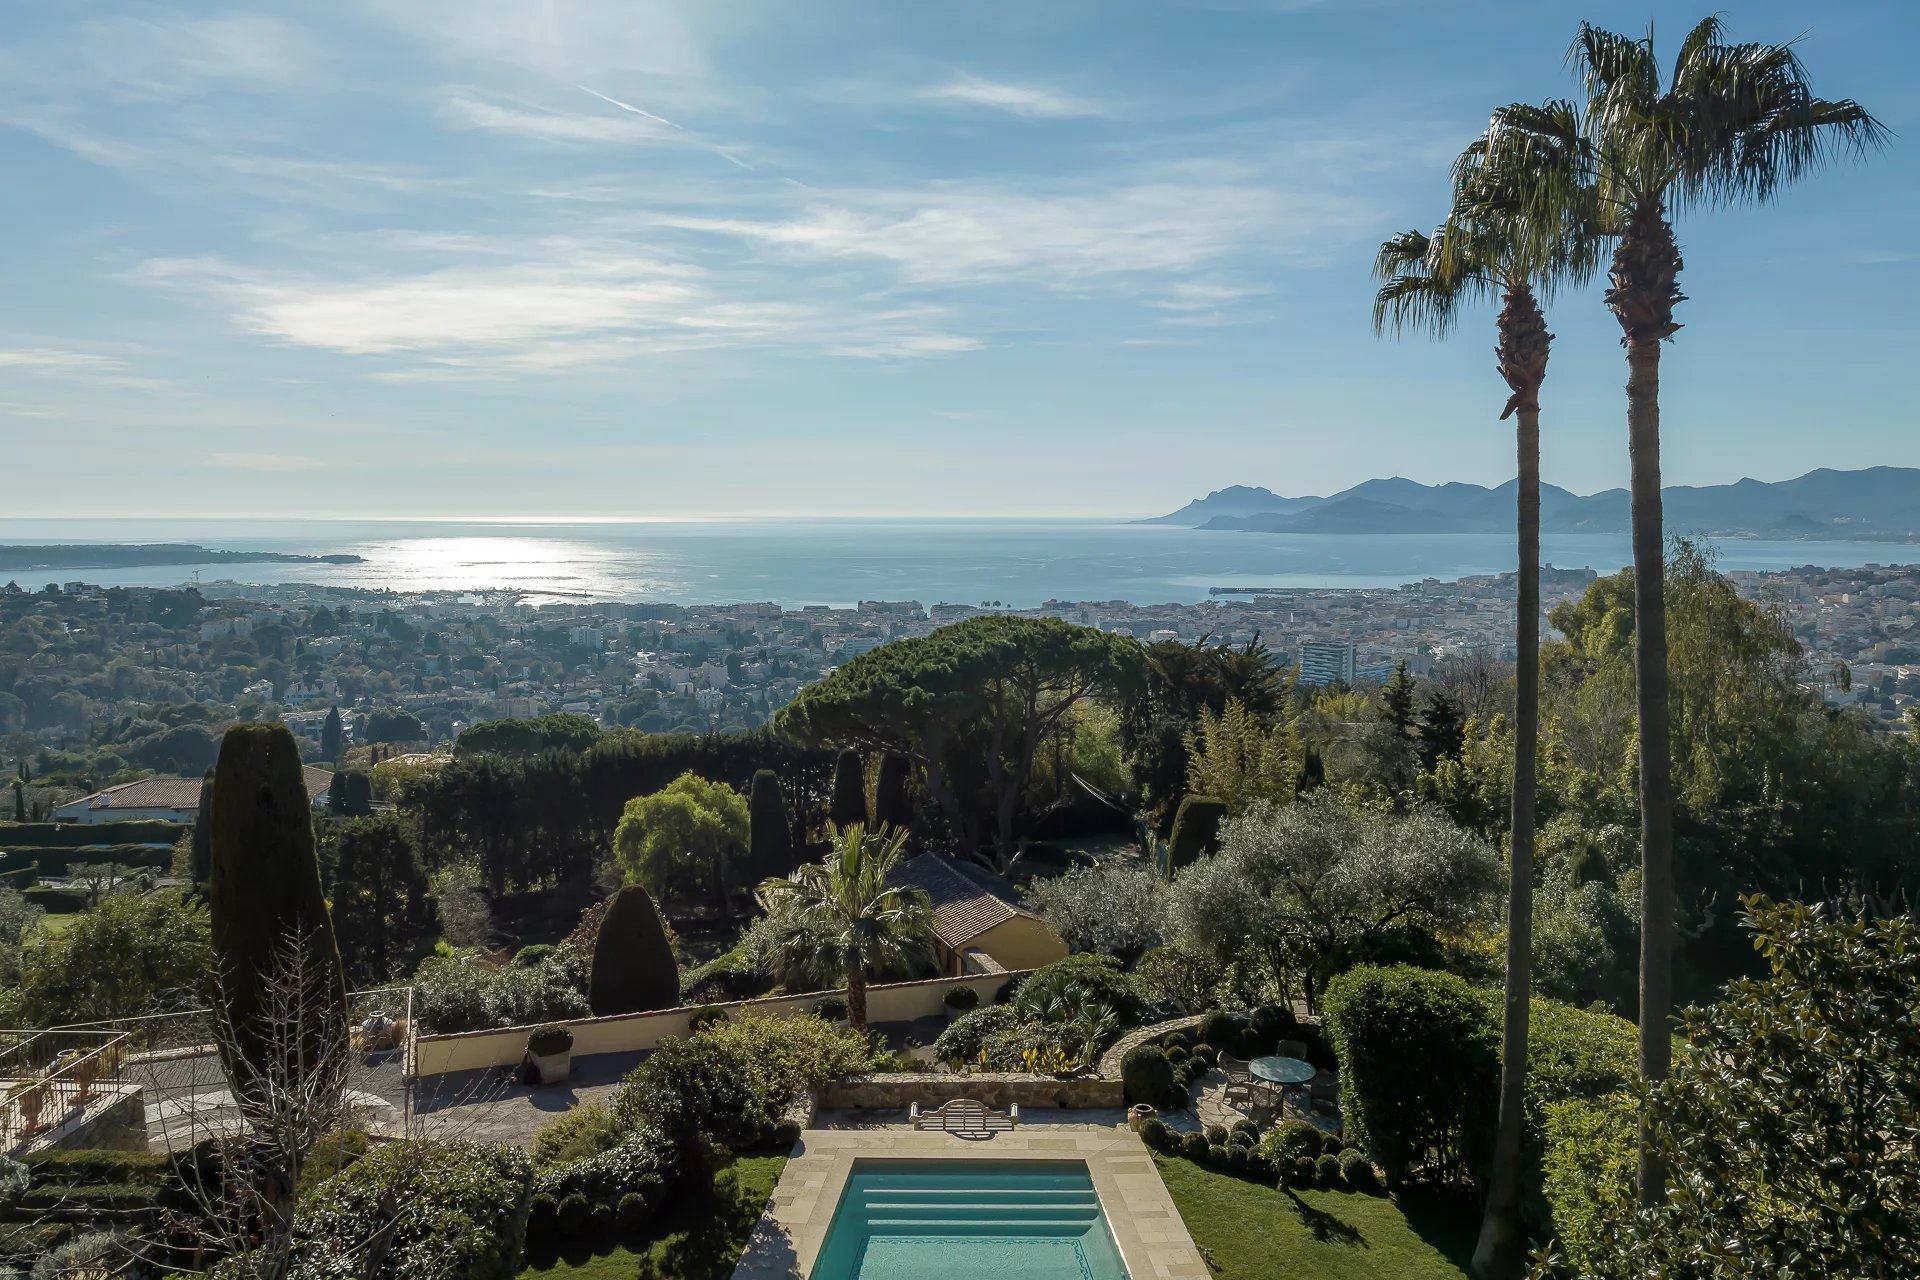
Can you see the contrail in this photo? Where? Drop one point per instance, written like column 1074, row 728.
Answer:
column 628, row 106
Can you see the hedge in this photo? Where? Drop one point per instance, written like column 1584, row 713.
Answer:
column 59, row 861
column 56, row 902
column 463, row 1214
column 67, row 835
column 83, row 1166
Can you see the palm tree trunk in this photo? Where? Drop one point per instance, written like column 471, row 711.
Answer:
column 1646, row 270
column 1524, row 340
column 856, row 998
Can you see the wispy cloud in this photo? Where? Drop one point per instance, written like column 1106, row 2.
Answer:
column 1031, row 101
column 470, row 110
column 48, row 358
column 263, row 461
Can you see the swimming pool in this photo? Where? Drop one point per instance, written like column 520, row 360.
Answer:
column 969, row 1220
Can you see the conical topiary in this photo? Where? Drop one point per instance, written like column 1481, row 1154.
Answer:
column 200, row 860
column 849, row 804
column 769, row 839
column 892, row 806
column 1196, row 829
column 633, row 966
column 265, row 898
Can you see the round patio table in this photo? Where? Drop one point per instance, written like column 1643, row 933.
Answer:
column 1287, row 1073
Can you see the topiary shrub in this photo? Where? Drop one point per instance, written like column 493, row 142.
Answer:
column 1306, row 1172
column 769, row 833
column 1204, row 1054
column 830, row 1009
column 1177, row 1040
column 1147, row 1076
column 960, row 999
column 573, row 1214
column 600, row 1219
column 1291, row 1140
column 1275, row 1022
column 892, row 805
column 1236, row 1159
column 1193, row 1146
column 1176, row 1055
column 1222, row 1026
column 1357, row 1171
column 633, row 967
column 1196, row 830
column 633, row 1212
column 1327, row 1169
column 462, row 1212
column 1332, row 1144
column 543, row 1218
column 1216, row 1135
column 705, row 1016
column 531, row 954
column 265, row 896
column 848, row 807
column 544, row 1042
column 1153, row 1132
column 1243, row 1133
column 1217, row 1155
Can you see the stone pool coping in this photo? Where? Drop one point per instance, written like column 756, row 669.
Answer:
column 1152, row 1240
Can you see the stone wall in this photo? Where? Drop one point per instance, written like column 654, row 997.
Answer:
column 115, row 1121
column 1110, row 1060
column 895, row 1092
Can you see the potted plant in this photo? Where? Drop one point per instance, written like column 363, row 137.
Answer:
column 1138, row 1114
column 551, row 1048
column 960, row 1000
column 32, row 1100
column 832, row 1009
column 85, row 1072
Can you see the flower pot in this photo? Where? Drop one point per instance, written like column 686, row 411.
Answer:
column 1139, row 1113
column 554, row 1068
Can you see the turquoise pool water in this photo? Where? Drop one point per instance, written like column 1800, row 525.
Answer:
column 969, row 1220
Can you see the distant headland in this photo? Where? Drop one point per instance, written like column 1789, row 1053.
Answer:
column 132, row 555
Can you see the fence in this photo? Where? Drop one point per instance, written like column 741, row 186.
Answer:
column 48, row 1074
column 637, row 1032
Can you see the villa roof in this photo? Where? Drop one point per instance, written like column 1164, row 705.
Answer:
column 963, row 907
column 166, row 792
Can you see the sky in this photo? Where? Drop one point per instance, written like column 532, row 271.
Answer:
column 1051, row 257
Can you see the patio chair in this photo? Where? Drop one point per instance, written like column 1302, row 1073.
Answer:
column 1240, row 1081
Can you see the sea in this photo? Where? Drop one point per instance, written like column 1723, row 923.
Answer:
column 1018, row 563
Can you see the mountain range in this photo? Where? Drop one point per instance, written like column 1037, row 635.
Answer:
column 1873, row 504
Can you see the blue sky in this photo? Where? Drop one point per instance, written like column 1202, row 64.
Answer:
column 645, row 259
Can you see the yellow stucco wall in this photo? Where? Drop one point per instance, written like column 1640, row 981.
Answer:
column 1020, row 943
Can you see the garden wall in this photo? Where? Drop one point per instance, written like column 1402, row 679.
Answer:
column 897, row 1091
column 632, row 1032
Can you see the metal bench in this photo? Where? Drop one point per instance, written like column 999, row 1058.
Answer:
column 964, row 1115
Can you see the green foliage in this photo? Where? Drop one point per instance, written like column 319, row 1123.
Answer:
column 200, row 863
column 789, row 1055
column 545, row 1042
column 1193, row 1146
column 1154, row 1132
column 694, row 1088
column 1419, row 1069
column 1182, row 977
column 633, row 966
column 1196, row 830
column 1357, row 1171
column 1113, row 907
column 849, row 805
column 1147, row 1076
column 391, row 724
column 769, row 830
column 1326, row 1170
column 967, row 1034
column 892, row 803
column 1079, row 980
column 269, row 919
column 961, row 999
column 1223, row 1026
column 132, row 955
column 333, row 736
column 679, row 840
column 379, row 895
column 639, row 1161
column 1290, row 1140
column 461, row 992
column 707, row 1015
column 532, row 954
column 1591, row 1156
column 571, row 1214
column 529, row 737
column 1242, row 760
column 454, row 1211
column 31, row 836
column 1789, row 1121
column 575, row 1134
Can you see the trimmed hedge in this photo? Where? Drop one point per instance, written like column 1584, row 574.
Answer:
column 56, row 902
column 1196, row 830
column 60, row 861
column 469, row 1224
column 633, row 966
column 68, row 835
column 1147, row 1075
column 82, row 1166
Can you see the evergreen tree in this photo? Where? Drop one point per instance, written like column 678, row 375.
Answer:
column 849, row 805
column 1442, row 732
column 1396, row 699
column 19, row 803
column 892, row 805
column 337, row 794
column 333, row 734
column 633, row 966
column 265, row 897
column 379, row 894
column 769, row 838
column 357, row 802
column 200, row 860
column 1196, row 830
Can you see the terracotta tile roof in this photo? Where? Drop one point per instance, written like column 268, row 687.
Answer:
column 161, row 792
column 963, row 907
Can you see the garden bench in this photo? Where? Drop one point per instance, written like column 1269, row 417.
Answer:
column 964, row 1115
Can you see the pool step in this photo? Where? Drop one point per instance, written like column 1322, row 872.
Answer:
column 923, row 1226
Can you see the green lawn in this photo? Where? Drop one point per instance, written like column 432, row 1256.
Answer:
column 698, row 1236
column 1249, row 1230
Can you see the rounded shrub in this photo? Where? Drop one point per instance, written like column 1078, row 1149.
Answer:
column 546, row 1041
column 1332, row 1144
column 1216, row 1155
column 633, row 1212
column 1236, row 1159
column 786, row 1133
column 830, row 1009
column 543, row 1214
column 572, row 1214
column 1153, row 1132
column 531, row 955
column 1147, row 1076
column 1327, row 1169
column 1249, row 1043
column 1176, row 1054
column 1177, row 1040
column 1275, row 1022
column 1221, row 1026
column 1245, row 1128
column 1217, row 1135
column 1257, row 1161
column 1358, row 1172
column 705, row 1016
column 600, row 1218
column 1193, row 1146
column 961, row 999
column 1295, row 1139
column 1306, row 1173
column 1205, row 1055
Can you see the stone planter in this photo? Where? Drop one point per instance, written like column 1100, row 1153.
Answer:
column 1138, row 1114
column 554, row 1068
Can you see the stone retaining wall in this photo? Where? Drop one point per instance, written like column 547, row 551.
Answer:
column 895, row 1092
column 1110, row 1060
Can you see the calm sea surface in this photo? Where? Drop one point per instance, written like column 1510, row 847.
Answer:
column 836, row 562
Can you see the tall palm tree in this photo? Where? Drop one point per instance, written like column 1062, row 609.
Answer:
column 843, row 912
column 1486, row 251
column 1735, row 123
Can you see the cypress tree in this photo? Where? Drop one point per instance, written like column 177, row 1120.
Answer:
column 849, row 804
column 892, row 806
column 200, row 861
column 337, row 794
column 633, row 965
column 769, row 841
column 1196, row 829
column 359, row 794
column 265, row 896
column 333, row 735
column 19, row 803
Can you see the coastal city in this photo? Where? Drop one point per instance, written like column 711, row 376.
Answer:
column 427, row 665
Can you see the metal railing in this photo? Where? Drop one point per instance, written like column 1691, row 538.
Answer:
column 47, row 1074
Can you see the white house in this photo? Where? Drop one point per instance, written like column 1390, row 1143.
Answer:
column 166, row 799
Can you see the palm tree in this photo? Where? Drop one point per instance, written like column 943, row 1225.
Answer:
column 1735, row 123
column 843, row 913
column 1488, row 250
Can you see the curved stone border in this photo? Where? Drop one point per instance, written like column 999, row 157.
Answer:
column 1110, row 1060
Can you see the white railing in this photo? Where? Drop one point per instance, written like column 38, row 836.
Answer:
column 48, row 1074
